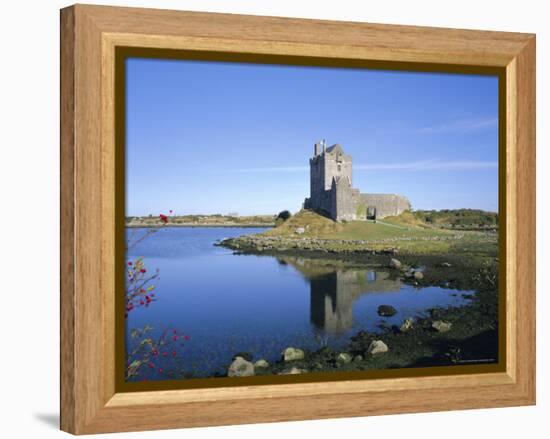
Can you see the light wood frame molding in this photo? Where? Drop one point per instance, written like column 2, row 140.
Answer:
column 89, row 36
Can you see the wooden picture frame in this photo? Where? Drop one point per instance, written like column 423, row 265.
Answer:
column 90, row 37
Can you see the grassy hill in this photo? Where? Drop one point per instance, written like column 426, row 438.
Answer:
column 310, row 231
column 310, row 224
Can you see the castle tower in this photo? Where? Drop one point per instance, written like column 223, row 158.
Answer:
column 337, row 165
column 326, row 165
column 332, row 192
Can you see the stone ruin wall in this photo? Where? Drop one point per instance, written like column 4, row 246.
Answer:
column 386, row 204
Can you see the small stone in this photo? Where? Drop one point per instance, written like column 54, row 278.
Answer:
column 293, row 371
column 446, row 265
column 441, row 326
column 292, row 354
column 395, row 263
column 418, row 275
column 261, row 364
column 300, row 230
column 343, row 358
column 386, row 311
column 357, row 358
column 377, row 347
column 407, row 324
column 240, row 368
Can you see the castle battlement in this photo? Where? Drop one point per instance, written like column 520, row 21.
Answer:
column 332, row 192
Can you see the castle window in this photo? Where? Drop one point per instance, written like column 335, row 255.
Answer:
column 339, row 167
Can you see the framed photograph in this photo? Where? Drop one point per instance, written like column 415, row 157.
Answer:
column 268, row 219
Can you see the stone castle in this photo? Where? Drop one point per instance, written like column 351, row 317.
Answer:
column 332, row 192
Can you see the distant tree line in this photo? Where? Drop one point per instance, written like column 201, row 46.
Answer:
column 458, row 218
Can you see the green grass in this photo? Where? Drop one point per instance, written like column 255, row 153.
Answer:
column 365, row 230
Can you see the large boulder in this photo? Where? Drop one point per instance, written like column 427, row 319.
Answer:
column 395, row 263
column 377, row 347
column 386, row 311
column 292, row 354
column 418, row 275
column 441, row 326
column 240, row 368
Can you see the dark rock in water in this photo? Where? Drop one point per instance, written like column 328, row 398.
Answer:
column 386, row 310
column 245, row 355
column 468, row 296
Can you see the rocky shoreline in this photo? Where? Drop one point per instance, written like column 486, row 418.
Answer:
column 261, row 243
column 444, row 337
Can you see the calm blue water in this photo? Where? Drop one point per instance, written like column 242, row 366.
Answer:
column 231, row 303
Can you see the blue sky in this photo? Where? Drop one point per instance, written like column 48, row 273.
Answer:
column 208, row 137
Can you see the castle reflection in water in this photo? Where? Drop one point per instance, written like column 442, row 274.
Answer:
column 335, row 288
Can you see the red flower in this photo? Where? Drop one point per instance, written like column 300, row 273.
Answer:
column 187, row 337
column 143, row 270
column 174, row 353
column 129, row 262
column 151, row 366
column 155, row 352
column 163, row 218
column 175, row 338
